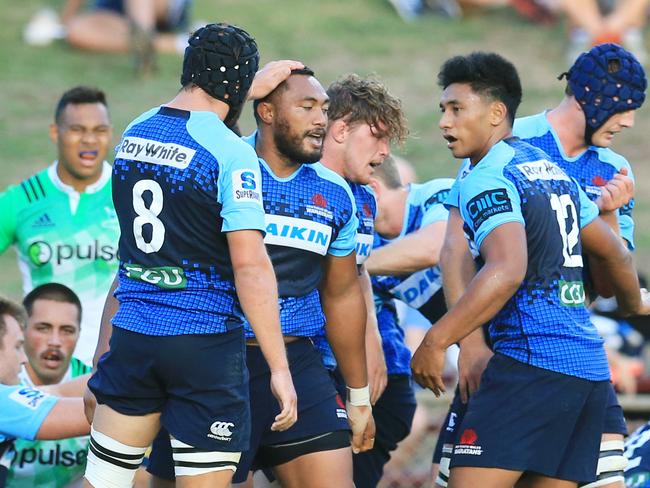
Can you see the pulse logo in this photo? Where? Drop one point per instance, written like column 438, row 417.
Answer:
column 488, row 204
column 41, row 253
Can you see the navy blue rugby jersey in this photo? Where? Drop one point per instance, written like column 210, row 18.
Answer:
column 637, row 452
column 308, row 215
column 591, row 169
column 545, row 323
column 181, row 180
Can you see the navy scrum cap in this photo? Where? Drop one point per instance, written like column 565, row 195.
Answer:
column 606, row 80
column 222, row 59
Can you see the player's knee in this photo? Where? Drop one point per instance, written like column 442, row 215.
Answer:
column 611, row 463
column 190, row 461
column 110, row 463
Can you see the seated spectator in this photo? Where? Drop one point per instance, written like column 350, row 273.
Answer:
column 51, row 334
column 28, row 412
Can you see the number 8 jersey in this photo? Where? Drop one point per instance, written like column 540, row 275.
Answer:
column 181, row 180
column 545, row 323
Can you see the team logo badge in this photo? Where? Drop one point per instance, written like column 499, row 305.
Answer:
column 319, row 200
column 221, row 430
column 39, row 253
column 467, row 443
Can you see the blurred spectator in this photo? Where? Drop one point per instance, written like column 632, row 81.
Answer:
column 535, row 10
column 51, row 334
column 142, row 27
column 62, row 219
column 594, row 22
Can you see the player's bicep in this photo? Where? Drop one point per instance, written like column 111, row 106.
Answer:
column 240, row 195
column 506, row 247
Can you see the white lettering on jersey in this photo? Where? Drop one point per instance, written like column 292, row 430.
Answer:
column 297, row 233
column 28, row 397
column 416, row 290
column 542, row 170
column 246, row 186
column 363, row 247
column 148, row 151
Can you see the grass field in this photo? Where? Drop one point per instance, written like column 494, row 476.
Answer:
column 333, row 37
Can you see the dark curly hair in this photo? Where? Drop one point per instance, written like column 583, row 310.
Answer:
column 489, row 74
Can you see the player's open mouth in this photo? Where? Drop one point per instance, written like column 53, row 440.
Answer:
column 316, row 138
column 88, row 155
column 374, row 164
column 52, row 359
column 450, row 140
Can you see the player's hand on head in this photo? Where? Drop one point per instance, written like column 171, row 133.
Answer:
column 284, row 392
column 616, row 193
column 90, row 404
column 427, row 364
column 472, row 361
column 270, row 76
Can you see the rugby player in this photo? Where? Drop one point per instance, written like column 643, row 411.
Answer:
column 51, row 333
column 193, row 270
column 62, row 220
column 29, row 412
column 364, row 120
column 531, row 288
column 576, row 135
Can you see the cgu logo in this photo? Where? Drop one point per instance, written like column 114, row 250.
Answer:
column 297, row 233
column 572, row 293
column 167, row 277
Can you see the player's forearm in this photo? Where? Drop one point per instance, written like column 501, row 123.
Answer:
column 372, row 330
column 111, row 305
column 258, row 295
column 72, row 388
column 456, row 261
column 621, row 276
column 345, row 315
column 412, row 253
column 487, row 293
column 66, row 419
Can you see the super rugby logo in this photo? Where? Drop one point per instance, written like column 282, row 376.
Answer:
column 41, row 253
column 488, row 204
column 245, row 186
column 155, row 152
column 297, row 233
column 221, row 431
column 542, row 170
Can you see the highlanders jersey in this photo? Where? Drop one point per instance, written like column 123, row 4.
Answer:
column 308, row 215
column 637, row 452
column 181, row 181
column 545, row 323
column 421, row 290
column 49, row 464
column 24, row 410
column 64, row 236
column 592, row 168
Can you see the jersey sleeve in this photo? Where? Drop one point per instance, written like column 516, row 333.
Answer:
column 436, row 211
column 489, row 200
column 240, row 192
column 8, row 221
column 452, row 197
column 625, row 219
column 347, row 238
column 588, row 209
column 24, row 410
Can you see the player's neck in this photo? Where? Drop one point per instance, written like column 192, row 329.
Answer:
column 392, row 223
column 567, row 120
column 500, row 133
column 78, row 184
column 280, row 165
column 332, row 158
column 197, row 100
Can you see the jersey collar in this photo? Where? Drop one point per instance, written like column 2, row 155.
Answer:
column 92, row 188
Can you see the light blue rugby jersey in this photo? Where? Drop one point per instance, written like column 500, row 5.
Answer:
column 424, row 206
column 366, row 206
column 637, row 452
column 23, row 410
column 545, row 323
column 308, row 215
column 181, row 181
column 592, row 168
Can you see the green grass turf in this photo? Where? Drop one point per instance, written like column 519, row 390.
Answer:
column 333, row 37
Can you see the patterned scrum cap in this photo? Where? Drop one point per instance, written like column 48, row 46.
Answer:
column 222, row 59
column 607, row 80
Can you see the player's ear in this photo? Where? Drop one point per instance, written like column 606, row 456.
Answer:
column 498, row 113
column 266, row 112
column 339, row 130
column 54, row 133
